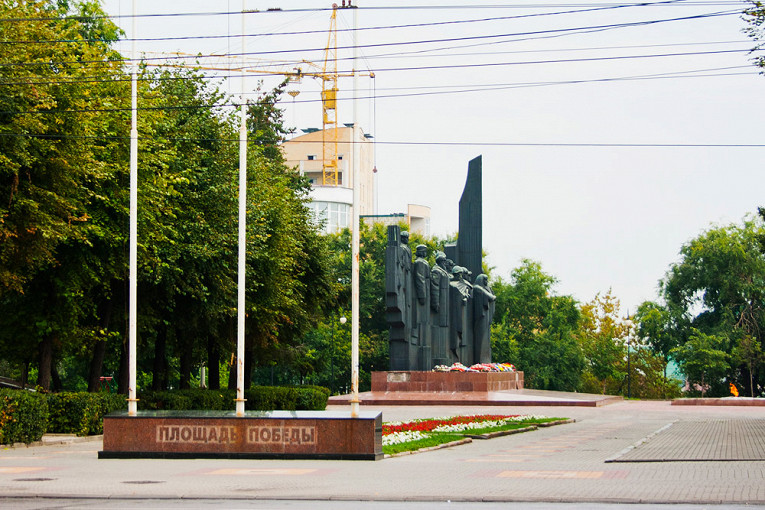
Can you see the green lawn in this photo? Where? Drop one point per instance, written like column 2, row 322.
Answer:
column 472, row 428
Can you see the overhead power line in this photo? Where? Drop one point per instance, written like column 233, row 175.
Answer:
column 125, row 78
column 416, row 143
column 460, row 89
column 280, row 10
column 361, row 29
column 107, row 77
column 557, row 61
column 393, row 44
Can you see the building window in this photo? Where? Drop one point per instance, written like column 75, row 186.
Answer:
column 311, row 157
column 334, row 216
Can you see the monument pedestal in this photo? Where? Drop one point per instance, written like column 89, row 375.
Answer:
column 257, row 435
column 446, row 382
column 400, row 388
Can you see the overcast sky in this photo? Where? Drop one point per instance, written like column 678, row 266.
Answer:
column 603, row 149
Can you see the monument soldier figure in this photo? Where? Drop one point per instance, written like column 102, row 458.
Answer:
column 483, row 313
column 398, row 306
column 458, row 323
column 439, row 307
column 421, row 322
column 465, row 351
column 406, row 262
column 432, row 317
column 449, row 265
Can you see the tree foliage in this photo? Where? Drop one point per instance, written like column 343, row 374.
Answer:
column 717, row 290
column 55, row 171
column 604, row 337
column 64, row 154
column 536, row 330
column 754, row 16
column 748, row 352
column 704, row 360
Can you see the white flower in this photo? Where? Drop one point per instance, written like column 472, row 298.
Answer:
column 461, row 427
column 402, row 437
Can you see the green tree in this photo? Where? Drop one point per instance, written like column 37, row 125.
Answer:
column 704, row 360
column 655, row 328
column 63, row 243
column 603, row 337
column 717, row 287
column 748, row 352
column 52, row 174
column 537, row 330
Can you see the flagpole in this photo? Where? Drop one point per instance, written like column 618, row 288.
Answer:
column 355, row 238
column 242, row 257
column 133, row 241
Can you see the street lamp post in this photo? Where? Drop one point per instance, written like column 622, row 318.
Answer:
column 343, row 320
column 629, row 380
column 628, row 323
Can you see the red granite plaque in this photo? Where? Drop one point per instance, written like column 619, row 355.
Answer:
column 448, row 382
column 274, row 434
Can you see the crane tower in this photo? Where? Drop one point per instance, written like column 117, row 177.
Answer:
column 329, row 105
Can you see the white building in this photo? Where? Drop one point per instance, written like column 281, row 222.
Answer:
column 417, row 217
column 332, row 202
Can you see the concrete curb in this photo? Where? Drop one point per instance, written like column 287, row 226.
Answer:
column 726, row 401
column 56, row 439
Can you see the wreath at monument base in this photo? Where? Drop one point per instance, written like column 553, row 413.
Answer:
column 478, row 367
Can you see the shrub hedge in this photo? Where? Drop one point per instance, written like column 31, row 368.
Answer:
column 258, row 398
column 23, row 416
column 81, row 413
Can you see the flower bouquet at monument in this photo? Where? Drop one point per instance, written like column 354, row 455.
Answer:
column 478, row 367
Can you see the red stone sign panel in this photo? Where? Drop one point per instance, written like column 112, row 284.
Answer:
column 275, row 434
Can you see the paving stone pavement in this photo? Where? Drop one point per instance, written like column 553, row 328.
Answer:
column 564, row 463
column 712, row 440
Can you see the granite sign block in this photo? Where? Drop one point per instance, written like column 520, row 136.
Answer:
column 274, row 434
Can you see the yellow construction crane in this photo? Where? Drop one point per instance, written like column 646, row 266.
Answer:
column 326, row 72
column 329, row 160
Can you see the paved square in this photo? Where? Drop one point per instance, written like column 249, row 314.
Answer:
column 712, row 440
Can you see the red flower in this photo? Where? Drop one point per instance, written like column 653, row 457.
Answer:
column 428, row 425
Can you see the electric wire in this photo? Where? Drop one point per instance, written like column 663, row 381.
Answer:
column 291, row 64
column 387, row 44
column 413, row 143
column 350, row 29
column 469, row 89
column 683, row 3
column 120, row 77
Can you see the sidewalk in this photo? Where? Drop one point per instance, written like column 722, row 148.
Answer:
column 523, row 398
column 561, row 463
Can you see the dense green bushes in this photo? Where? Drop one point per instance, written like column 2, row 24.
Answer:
column 23, row 416
column 259, row 398
column 81, row 413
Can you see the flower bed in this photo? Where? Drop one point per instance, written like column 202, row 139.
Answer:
column 412, row 435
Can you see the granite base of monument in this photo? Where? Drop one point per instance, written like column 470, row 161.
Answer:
column 257, row 435
column 481, row 382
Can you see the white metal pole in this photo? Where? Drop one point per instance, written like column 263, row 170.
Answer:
column 355, row 237
column 133, row 262
column 242, row 244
